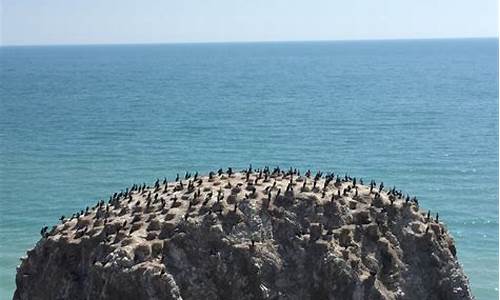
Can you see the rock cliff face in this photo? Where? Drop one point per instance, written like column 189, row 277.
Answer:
column 256, row 234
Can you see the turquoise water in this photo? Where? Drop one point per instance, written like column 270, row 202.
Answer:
column 80, row 122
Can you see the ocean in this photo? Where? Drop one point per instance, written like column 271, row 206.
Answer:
column 81, row 122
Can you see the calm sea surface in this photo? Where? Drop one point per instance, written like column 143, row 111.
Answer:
column 80, row 122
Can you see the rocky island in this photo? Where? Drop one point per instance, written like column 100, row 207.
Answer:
column 253, row 234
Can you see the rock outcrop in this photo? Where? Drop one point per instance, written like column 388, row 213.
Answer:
column 256, row 234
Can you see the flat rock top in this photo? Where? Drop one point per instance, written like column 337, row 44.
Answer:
column 250, row 234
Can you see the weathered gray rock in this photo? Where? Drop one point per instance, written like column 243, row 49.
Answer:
column 224, row 238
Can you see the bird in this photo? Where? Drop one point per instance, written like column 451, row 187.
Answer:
column 44, row 231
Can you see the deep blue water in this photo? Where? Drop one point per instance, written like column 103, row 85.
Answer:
column 80, row 122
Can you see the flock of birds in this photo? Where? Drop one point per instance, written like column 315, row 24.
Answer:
column 191, row 183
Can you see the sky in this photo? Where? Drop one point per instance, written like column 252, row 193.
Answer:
column 42, row 22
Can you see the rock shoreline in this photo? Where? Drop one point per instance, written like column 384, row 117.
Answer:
column 254, row 234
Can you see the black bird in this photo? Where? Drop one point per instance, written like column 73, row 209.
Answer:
column 44, row 231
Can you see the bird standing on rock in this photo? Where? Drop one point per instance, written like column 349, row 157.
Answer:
column 44, row 231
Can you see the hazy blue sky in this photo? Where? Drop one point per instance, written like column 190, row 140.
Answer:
column 161, row 21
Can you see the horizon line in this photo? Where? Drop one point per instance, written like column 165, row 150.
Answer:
column 249, row 41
